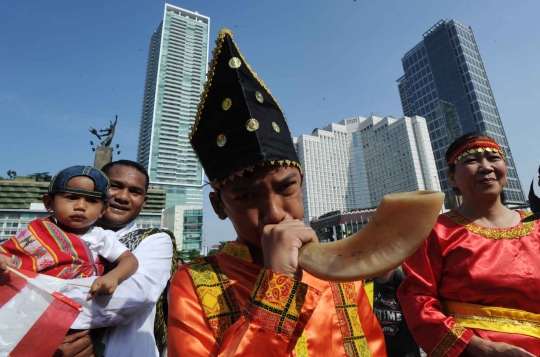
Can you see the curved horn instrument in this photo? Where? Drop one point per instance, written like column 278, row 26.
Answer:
column 398, row 227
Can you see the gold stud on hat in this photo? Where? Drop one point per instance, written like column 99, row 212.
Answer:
column 221, row 140
column 235, row 62
column 252, row 124
column 259, row 97
column 226, row 104
column 276, row 127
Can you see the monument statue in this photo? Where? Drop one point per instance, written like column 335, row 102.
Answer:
column 109, row 133
column 104, row 151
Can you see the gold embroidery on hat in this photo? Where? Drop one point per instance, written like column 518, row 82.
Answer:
column 235, row 62
column 252, row 124
column 276, row 127
column 221, row 140
column 259, row 97
column 217, row 184
column 226, row 104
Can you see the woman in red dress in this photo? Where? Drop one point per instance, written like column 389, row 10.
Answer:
column 473, row 287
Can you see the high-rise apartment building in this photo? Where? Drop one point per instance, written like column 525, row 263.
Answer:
column 175, row 76
column 327, row 186
column 445, row 82
column 353, row 164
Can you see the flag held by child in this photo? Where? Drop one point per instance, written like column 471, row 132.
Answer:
column 32, row 319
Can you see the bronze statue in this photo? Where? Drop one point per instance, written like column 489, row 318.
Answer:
column 108, row 132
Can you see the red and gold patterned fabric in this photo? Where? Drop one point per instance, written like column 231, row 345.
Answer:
column 227, row 306
column 46, row 249
column 468, row 280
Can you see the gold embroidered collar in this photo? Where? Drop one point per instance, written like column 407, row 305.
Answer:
column 237, row 250
column 522, row 229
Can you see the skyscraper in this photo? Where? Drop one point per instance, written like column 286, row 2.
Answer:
column 175, row 76
column 445, row 81
column 353, row 164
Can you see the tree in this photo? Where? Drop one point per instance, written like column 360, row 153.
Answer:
column 41, row 176
column 11, row 174
column 193, row 254
column 189, row 255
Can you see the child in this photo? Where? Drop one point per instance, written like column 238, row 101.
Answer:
column 66, row 245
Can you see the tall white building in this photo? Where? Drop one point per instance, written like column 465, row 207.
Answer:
column 175, row 76
column 328, row 184
column 353, row 164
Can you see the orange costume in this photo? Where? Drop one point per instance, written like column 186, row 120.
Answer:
column 468, row 280
column 225, row 305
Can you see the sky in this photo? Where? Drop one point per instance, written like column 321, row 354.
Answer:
column 66, row 66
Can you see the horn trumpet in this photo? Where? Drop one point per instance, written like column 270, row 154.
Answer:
column 396, row 230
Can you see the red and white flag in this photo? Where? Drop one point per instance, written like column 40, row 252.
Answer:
column 32, row 321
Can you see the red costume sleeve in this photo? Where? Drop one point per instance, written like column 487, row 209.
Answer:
column 436, row 333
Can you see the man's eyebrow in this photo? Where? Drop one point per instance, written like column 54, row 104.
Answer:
column 132, row 187
column 243, row 188
column 288, row 177
column 136, row 188
column 250, row 186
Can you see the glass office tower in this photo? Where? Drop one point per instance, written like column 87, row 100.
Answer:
column 445, row 82
column 175, row 76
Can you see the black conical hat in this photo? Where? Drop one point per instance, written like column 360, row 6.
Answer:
column 239, row 124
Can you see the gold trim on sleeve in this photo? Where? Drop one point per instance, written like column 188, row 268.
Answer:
column 448, row 341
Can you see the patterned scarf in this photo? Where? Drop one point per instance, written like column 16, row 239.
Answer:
column 46, row 249
column 132, row 240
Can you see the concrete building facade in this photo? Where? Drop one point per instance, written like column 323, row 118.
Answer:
column 353, row 164
column 186, row 224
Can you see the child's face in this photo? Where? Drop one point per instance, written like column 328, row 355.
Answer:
column 74, row 212
column 269, row 195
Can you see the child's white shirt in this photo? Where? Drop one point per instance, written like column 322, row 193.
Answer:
column 102, row 242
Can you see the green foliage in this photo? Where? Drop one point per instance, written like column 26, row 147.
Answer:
column 41, row 176
column 12, row 174
column 189, row 255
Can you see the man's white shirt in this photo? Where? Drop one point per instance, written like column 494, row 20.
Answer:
column 132, row 307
